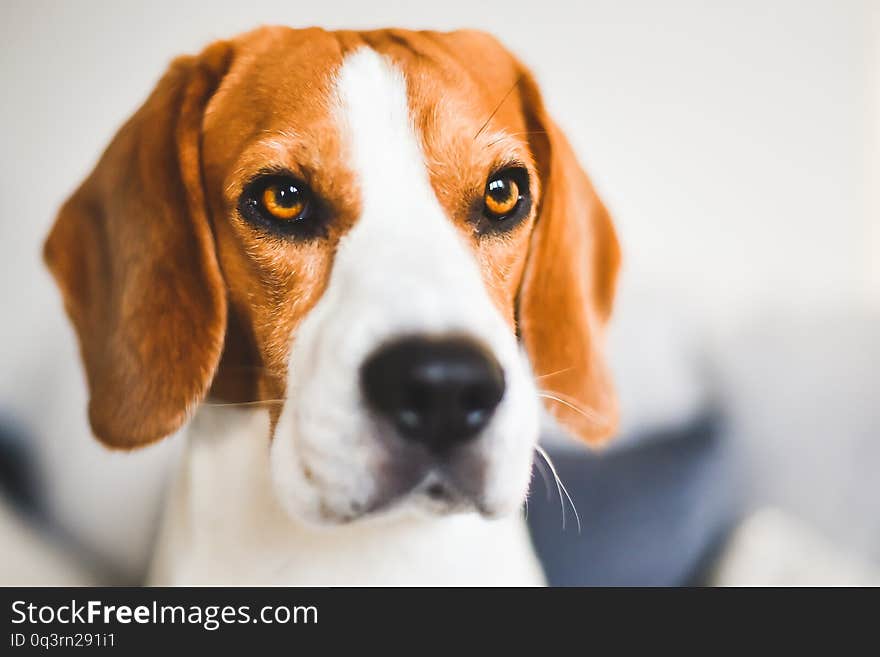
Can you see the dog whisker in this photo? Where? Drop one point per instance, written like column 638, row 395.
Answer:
column 554, row 373
column 590, row 414
column 254, row 368
column 561, row 488
column 543, row 470
column 498, row 106
column 515, row 134
column 255, row 402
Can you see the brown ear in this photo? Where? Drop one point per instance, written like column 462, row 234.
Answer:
column 133, row 254
column 568, row 285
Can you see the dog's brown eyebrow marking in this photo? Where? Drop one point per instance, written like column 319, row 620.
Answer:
column 500, row 103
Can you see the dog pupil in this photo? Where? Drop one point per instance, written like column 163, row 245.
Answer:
column 286, row 197
column 499, row 190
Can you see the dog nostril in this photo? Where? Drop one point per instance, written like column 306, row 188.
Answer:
column 475, row 416
column 416, row 402
column 478, row 401
column 439, row 392
column 407, row 417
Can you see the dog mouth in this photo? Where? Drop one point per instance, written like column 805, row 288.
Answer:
column 441, row 495
column 433, row 496
column 434, row 491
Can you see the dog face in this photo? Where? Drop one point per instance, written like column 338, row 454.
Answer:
column 379, row 236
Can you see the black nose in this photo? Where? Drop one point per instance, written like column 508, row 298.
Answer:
column 439, row 392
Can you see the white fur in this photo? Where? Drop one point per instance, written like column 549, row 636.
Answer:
column 224, row 525
column 401, row 270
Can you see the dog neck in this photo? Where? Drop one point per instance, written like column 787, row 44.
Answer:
column 223, row 525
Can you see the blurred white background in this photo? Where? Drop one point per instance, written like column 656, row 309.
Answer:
column 737, row 145
column 734, row 141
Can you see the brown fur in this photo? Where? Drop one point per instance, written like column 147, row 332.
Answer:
column 174, row 295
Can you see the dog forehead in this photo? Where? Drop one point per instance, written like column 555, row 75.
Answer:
column 279, row 81
column 285, row 81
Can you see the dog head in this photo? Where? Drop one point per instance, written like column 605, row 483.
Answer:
column 380, row 237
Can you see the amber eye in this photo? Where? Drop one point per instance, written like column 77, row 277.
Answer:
column 283, row 205
column 284, row 199
column 502, row 196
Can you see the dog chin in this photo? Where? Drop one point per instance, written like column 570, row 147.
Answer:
column 432, row 498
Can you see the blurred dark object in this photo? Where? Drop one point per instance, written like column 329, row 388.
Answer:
column 654, row 513
column 18, row 478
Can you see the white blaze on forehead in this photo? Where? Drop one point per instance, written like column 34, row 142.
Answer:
column 374, row 111
column 401, row 218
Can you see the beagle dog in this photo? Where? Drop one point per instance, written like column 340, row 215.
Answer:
column 356, row 267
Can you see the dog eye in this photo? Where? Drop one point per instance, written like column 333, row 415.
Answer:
column 283, row 199
column 283, row 205
column 505, row 194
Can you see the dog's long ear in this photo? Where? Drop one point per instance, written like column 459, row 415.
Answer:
column 133, row 253
column 568, row 285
